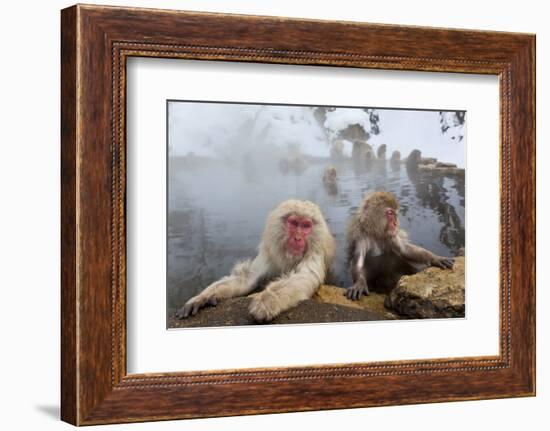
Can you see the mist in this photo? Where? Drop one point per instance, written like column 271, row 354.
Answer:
column 229, row 131
column 229, row 165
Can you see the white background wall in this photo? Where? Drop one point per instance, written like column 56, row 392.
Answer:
column 29, row 214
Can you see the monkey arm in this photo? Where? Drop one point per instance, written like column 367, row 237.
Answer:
column 242, row 281
column 287, row 291
column 416, row 254
column 358, row 270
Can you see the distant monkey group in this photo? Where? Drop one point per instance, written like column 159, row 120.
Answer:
column 297, row 250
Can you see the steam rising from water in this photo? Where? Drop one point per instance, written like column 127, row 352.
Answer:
column 225, row 176
column 228, row 130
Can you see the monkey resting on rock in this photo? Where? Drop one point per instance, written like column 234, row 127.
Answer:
column 379, row 252
column 295, row 255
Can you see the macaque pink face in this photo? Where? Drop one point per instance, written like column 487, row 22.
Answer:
column 391, row 218
column 298, row 229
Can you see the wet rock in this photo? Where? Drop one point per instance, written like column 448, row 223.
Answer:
column 234, row 312
column 373, row 302
column 428, row 161
column 445, row 165
column 432, row 293
column 441, row 168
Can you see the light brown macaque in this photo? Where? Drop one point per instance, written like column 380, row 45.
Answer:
column 370, row 157
column 381, row 152
column 337, row 150
column 395, row 157
column 330, row 180
column 330, row 175
column 296, row 165
column 360, row 149
column 379, row 252
column 395, row 160
column 295, row 256
column 284, row 166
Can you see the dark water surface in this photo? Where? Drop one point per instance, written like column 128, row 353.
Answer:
column 216, row 213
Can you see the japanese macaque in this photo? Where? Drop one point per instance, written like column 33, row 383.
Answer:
column 337, row 150
column 395, row 160
column 370, row 157
column 381, row 152
column 295, row 256
column 414, row 159
column 360, row 149
column 330, row 177
column 284, row 166
column 379, row 252
column 295, row 165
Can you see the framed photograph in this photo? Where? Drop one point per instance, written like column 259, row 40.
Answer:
column 329, row 214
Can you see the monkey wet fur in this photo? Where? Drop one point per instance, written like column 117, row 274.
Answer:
column 379, row 252
column 295, row 255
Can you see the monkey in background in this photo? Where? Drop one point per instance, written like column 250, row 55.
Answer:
column 395, row 160
column 360, row 149
column 381, row 152
column 337, row 150
column 295, row 256
column 379, row 252
column 330, row 178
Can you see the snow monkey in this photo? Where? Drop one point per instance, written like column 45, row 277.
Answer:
column 395, row 160
column 379, row 252
column 414, row 159
column 295, row 255
column 381, row 152
column 330, row 175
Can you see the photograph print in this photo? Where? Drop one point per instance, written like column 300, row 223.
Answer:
column 293, row 214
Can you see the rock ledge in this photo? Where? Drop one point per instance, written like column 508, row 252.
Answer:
column 432, row 293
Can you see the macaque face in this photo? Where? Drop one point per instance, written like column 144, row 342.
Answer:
column 391, row 219
column 298, row 229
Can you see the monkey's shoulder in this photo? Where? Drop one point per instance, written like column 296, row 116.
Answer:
column 377, row 249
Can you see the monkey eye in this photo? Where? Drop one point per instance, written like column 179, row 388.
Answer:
column 306, row 225
column 390, row 212
column 294, row 223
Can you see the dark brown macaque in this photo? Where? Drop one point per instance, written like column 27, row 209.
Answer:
column 379, row 252
column 414, row 159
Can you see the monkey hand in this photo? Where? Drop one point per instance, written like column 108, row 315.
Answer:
column 356, row 291
column 192, row 306
column 264, row 307
column 443, row 262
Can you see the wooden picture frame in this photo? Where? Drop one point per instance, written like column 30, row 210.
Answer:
column 95, row 43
